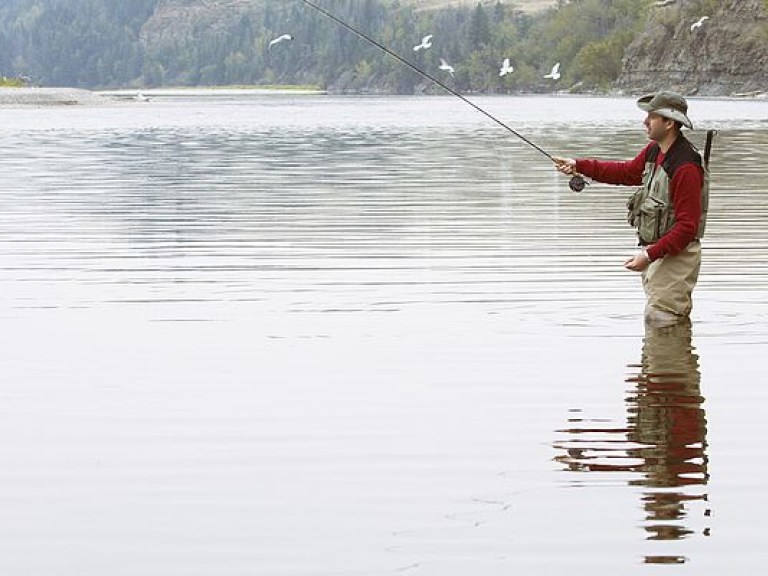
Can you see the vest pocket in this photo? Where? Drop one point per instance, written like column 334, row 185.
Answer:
column 633, row 208
column 650, row 226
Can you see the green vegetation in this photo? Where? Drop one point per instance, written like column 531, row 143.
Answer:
column 108, row 44
column 275, row 87
column 81, row 43
column 11, row 82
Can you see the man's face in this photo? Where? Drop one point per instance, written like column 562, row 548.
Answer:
column 657, row 126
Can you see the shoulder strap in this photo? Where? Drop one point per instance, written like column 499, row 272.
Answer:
column 681, row 152
column 652, row 153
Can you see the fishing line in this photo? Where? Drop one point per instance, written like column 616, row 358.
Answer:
column 576, row 184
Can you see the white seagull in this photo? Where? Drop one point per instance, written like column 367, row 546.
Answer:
column 426, row 42
column 283, row 38
column 699, row 23
column 140, row 97
column 445, row 66
column 555, row 73
column 506, row 68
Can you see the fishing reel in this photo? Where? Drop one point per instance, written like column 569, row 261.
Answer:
column 577, row 183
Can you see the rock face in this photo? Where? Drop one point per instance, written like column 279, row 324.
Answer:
column 726, row 55
column 185, row 18
column 523, row 5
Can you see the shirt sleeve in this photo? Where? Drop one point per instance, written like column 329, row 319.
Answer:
column 685, row 190
column 628, row 173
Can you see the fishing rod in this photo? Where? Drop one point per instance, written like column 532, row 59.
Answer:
column 576, row 183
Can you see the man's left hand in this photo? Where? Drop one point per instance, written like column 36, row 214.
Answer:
column 638, row 262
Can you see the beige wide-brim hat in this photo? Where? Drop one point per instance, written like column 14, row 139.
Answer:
column 667, row 104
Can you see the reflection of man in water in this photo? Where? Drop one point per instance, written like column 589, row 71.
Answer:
column 667, row 419
column 665, row 437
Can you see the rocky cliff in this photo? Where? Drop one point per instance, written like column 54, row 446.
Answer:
column 174, row 19
column 529, row 6
column 724, row 54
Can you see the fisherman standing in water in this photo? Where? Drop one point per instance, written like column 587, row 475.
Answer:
column 669, row 210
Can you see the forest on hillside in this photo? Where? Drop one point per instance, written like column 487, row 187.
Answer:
column 149, row 43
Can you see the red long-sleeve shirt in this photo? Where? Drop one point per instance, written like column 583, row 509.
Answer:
column 684, row 190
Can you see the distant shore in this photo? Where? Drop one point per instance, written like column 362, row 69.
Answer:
column 43, row 97
column 173, row 91
column 27, row 96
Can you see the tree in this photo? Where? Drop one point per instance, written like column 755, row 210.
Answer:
column 479, row 29
column 109, row 43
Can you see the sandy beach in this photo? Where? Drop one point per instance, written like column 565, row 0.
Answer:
column 49, row 97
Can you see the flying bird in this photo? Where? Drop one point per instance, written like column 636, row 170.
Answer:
column 445, row 66
column 279, row 39
column 426, row 42
column 555, row 73
column 699, row 23
column 506, row 68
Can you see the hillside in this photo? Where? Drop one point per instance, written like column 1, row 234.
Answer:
column 601, row 45
column 727, row 54
column 529, row 6
column 230, row 39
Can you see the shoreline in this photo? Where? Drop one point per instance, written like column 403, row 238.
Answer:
column 25, row 96
column 177, row 91
column 63, row 96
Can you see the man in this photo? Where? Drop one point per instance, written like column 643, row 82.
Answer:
column 669, row 210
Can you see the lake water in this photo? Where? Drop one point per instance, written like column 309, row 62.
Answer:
column 314, row 335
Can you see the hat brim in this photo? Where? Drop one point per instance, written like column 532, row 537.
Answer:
column 670, row 113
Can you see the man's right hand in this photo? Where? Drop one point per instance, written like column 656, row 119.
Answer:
column 565, row 165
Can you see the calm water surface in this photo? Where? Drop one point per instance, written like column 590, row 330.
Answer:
column 325, row 336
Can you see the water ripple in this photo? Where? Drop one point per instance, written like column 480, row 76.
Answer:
column 348, row 214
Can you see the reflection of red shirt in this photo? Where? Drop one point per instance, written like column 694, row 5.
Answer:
column 684, row 189
column 675, row 455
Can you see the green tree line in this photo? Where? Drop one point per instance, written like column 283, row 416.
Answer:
column 109, row 44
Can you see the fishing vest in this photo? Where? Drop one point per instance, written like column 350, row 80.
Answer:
column 650, row 208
